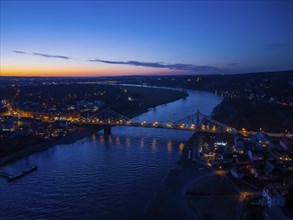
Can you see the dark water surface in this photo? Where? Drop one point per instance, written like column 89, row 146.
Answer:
column 101, row 177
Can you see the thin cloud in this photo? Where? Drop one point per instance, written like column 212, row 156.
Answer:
column 51, row 56
column 20, row 52
column 177, row 66
column 42, row 55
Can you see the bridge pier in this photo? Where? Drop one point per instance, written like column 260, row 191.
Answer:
column 107, row 130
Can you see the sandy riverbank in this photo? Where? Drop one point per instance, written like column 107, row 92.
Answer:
column 193, row 191
column 170, row 200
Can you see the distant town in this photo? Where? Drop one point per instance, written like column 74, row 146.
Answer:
column 33, row 111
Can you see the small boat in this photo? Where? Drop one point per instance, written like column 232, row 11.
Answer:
column 30, row 169
column 22, row 174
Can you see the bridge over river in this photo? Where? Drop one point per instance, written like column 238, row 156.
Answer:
column 194, row 122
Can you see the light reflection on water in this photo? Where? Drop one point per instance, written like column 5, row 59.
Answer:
column 181, row 146
column 169, row 145
column 94, row 138
column 101, row 177
column 154, row 144
column 118, row 140
column 142, row 142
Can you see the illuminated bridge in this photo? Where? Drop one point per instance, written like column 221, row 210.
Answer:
column 108, row 118
column 194, row 122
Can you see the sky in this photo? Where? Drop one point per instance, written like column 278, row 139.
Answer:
column 103, row 38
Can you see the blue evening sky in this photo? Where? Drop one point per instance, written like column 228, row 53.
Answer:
column 145, row 37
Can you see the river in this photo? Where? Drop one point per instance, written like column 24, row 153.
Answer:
column 101, row 177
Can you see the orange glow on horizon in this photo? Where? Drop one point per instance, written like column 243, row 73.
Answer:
column 77, row 72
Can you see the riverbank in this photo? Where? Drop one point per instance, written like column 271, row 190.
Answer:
column 75, row 136
column 244, row 114
column 170, row 201
column 146, row 98
column 193, row 191
column 251, row 100
column 151, row 97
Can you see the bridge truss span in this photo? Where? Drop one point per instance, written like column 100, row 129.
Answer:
column 194, row 122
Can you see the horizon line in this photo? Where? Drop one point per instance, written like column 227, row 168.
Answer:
column 141, row 75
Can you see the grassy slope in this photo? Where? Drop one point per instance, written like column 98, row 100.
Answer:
column 241, row 114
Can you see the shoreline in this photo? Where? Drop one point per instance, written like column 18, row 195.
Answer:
column 169, row 201
column 79, row 134
column 190, row 191
column 242, row 113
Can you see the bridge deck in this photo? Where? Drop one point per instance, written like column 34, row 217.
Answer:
column 161, row 126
